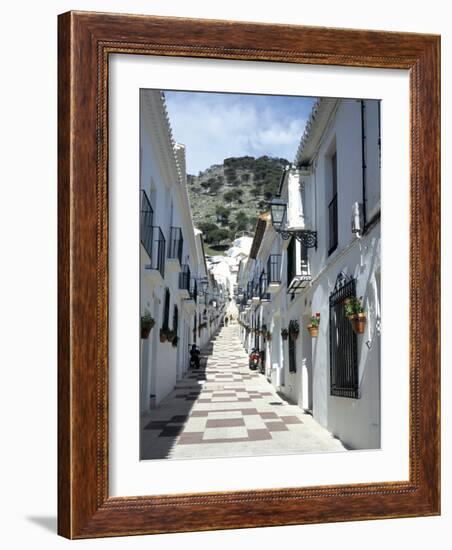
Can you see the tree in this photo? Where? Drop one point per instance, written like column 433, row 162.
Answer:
column 208, row 229
column 222, row 214
column 215, row 186
column 233, row 195
column 219, row 235
column 242, row 221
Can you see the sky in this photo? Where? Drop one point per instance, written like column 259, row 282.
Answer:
column 214, row 126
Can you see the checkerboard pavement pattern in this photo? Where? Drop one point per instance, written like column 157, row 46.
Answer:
column 224, row 409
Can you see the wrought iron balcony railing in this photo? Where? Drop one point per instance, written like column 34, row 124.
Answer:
column 146, row 221
column 194, row 290
column 176, row 244
column 184, row 278
column 263, row 284
column 274, row 269
column 155, row 247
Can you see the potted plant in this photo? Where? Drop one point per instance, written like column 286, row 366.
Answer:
column 313, row 326
column 354, row 310
column 170, row 334
column 174, row 341
column 268, row 336
column 284, row 334
column 294, row 329
column 163, row 334
column 147, row 322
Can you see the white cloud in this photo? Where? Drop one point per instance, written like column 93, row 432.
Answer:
column 217, row 126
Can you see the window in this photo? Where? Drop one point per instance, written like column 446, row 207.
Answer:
column 291, row 261
column 304, row 263
column 343, row 347
column 166, row 309
column 332, row 208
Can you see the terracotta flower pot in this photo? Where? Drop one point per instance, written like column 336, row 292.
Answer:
column 294, row 334
column 358, row 322
column 163, row 336
column 313, row 331
column 145, row 331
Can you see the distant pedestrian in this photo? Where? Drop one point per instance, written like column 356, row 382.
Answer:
column 226, row 320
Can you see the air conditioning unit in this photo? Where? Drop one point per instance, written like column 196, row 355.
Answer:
column 357, row 219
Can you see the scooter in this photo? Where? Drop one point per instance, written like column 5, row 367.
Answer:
column 253, row 359
column 194, row 358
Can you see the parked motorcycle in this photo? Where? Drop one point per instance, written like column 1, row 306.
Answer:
column 253, row 359
column 195, row 357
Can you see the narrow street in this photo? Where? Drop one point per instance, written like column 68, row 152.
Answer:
column 224, row 409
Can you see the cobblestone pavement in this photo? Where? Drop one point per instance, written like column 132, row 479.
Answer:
column 224, row 409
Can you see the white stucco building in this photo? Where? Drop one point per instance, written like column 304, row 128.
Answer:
column 176, row 287
column 332, row 198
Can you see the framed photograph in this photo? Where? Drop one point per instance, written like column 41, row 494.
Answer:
column 248, row 275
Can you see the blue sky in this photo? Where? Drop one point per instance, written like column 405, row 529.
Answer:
column 214, row 126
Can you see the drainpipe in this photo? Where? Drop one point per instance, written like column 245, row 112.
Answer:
column 363, row 157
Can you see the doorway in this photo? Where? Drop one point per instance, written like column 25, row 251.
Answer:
column 306, row 394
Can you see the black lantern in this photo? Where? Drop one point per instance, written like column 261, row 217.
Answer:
column 278, row 208
column 278, row 212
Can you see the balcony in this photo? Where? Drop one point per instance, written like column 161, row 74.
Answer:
column 184, row 282
column 155, row 247
column 298, row 274
column 191, row 302
column 299, row 283
column 263, row 284
column 152, row 240
column 274, row 273
column 146, row 221
column 176, row 244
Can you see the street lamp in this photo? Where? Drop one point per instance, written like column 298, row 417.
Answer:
column 278, row 209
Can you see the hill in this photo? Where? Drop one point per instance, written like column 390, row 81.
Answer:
column 227, row 198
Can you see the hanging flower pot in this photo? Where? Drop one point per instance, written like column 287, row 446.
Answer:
column 284, row 334
column 355, row 312
column 147, row 322
column 294, row 329
column 268, row 336
column 170, row 334
column 358, row 322
column 163, row 335
column 145, row 332
column 175, row 341
column 313, row 326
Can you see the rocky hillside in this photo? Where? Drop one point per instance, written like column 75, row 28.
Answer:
column 227, row 198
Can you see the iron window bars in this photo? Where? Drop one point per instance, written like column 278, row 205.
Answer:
column 344, row 381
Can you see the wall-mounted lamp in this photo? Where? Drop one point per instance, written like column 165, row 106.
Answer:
column 278, row 210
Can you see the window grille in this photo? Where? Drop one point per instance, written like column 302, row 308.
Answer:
column 343, row 347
